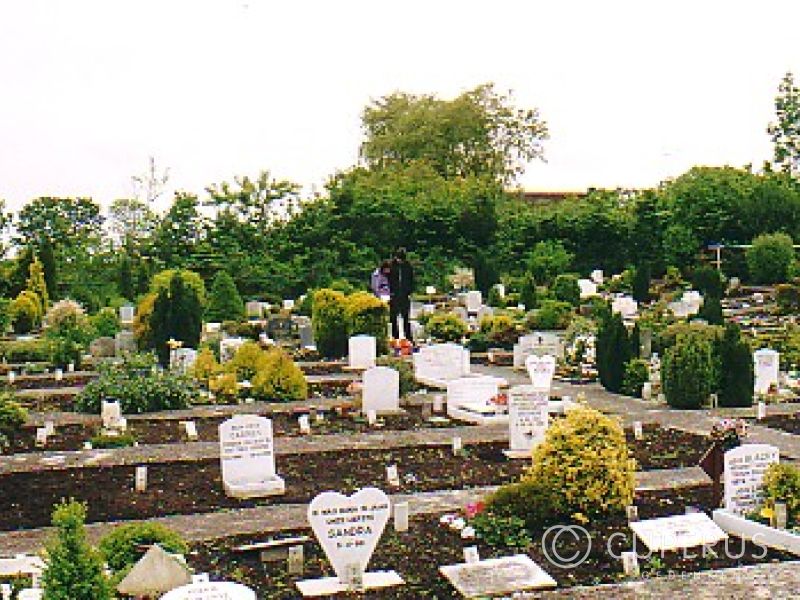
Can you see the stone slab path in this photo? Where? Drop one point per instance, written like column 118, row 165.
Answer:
column 771, row 581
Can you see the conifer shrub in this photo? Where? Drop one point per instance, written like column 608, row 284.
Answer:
column 279, row 378
column 566, row 289
column 368, row 315
column 248, row 360
column 224, row 302
column 736, row 372
column 205, row 366
column 500, row 331
column 637, row 372
column 224, row 387
column 782, row 484
column 708, row 281
column 177, row 314
column 74, row 570
column 26, row 312
column 582, row 470
column 126, row 544
column 12, row 418
column 105, row 322
column 36, row 284
column 711, row 311
column 613, row 348
column 787, row 295
column 329, row 321
column 641, row 283
column 446, row 327
column 527, row 293
column 689, row 372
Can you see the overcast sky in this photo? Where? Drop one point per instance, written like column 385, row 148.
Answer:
column 633, row 91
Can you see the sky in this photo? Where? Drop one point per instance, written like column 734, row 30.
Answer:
column 633, row 91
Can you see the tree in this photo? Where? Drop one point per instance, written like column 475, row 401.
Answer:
column 179, row 232
column 641, row 283
column 480, row 133
column 150, row 184
column 125, row 277
column 613, row 352
column 49, row 267
column 711, row 311
column 785, row 132
column 36, row 284
column 74, row 570
column 527, row 292
column 566, row 289
column 736, row 374
column 132, row 222
column 5, row 222
column 548, row 259
column 770, row 258
column 257, row 202
column 177, row 315
column 224, row 303
column 69, row 223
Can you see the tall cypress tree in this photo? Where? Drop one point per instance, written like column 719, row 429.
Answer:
column 177, row 314
column 613, row 352
column 49, row 266
column 736, row 372
column 224, row 302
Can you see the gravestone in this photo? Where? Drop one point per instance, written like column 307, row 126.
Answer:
column 597, row 276
column 497, row 576
column 184, row 359
column 473, row 301
column 280, row 327
column 528, row 419
column 625, row 306
column 468, row 399
column 211, row 590
column 248, row 457
column 588, row 288
column 253, row 310
column 767, row 365
column 437, row 364
column 461, row 313
column 678, row 532
column 124, row 343
column 156, row 572
column 362, row 351
column 744, row 469
column 228, row 348
column 680, row 309
column 485, row 312
column 288, row 304
column 541, row 370
column 538, row 343
column 111, row 415
column 693, row 301
column 381, row 391
column 645, row 343
column 213, row 327
column 306, row 332
column 103, row 347
column 348, row 529
column 126, row 315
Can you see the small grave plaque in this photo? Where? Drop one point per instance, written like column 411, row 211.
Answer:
column 630, row 564
column 457, row 445
column 208, row 590
column 438, row 403
column 140, row 483
column 191, row 430
column 401, row 516
column 761, row 411
column 471, row 555
column 305, row 425
column 41, row 437
column 497, row 576
column 295, row 562
column 678, row 532
column 637, row 430
column 392, row 476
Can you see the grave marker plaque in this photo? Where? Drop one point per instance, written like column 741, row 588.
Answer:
column 744, row 469
column 248, row 458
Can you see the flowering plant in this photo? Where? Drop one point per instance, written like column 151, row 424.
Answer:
column 728, row 432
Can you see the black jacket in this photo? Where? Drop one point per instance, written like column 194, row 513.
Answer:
column 401, row 279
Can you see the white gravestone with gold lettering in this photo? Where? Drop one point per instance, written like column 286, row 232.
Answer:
column 248, row 457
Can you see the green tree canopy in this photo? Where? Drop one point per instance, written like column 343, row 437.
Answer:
column 785, row 131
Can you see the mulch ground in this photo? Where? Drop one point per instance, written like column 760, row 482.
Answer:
column 194, row 487
column 787, row 423
column 417, row 554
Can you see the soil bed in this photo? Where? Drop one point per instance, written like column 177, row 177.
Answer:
column 183, row 487
column 170, row 431
column 418, row 553
column 787, row 423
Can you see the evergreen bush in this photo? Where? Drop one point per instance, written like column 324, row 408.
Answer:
column 330, row 323
column 224, row 301
column 689, row 372
column 708, row 281
column 736, row 372
column 26, row 312
column 613, row 348
column 280, row 379
column 770, row 258
column 127, row 543
column 74, row 570
column 551, row 314
column 177, row 314
column 637, row 372
column 711, row 311
column 641, row 283
column 105, row 322
column 566, row 289
column 527, row 292
column 787, row 295
column 368, row 315
column 446, row 327
column 12, row 418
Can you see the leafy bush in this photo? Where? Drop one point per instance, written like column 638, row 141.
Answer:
column 368, row 315
column 548, row 259
column 279, row 379
column 787, row 295
column 494, row 298
column 69, row 331
column 637, row 372
column 689, row 372
column 708, row 281
column 138, row 386
column 552, row 314
column 408, row 383
column 711, row 311
column 74, row 570
column 505, row 531
column 446, row 327
column 770, row 258
column 123, row 440
column 163, row 280
column 127, row 543
column 12, row 418
column 36, row 284
column 566, row 289
column 26, row 312
column 224, row 387
column 247, row 362
column 63, row 312
column 736, row 372
column 782, row 484
column 669, row 336
column 224, row 300
column 105, row 322
column 580, row 470
column 500, row 331
column 330, row 323
column 205, row 366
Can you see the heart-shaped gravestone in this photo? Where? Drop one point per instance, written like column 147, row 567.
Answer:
column 348, row 527
column 541, row 370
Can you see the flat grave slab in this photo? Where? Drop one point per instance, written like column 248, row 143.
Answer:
column 497, row 576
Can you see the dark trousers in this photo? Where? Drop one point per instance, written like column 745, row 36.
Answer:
column 400, row 305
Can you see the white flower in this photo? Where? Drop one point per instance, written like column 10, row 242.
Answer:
column 468, row 533
column 458, row 524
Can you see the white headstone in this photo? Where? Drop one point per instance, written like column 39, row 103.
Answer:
column 541, row 370
column 496, row 577
column 630, row 564
column 288, row 304
column 228, row 348
column 211, row 590
column 362, row 351
column 471, row 555
column 457, row 444
column 588, row 288
column 473, row 301
column 248, row 458
column 191, row 430
column 381, row 391
column 678, row 532
column 253, row 309
column 626, row 306
column 126, row 314
column 59, row 374
column 527, row 418
column 372, row 417
column 744, row 469
column 472, row 392
column 597, row 276
column 638, row 433
column 439, row 363
column 140, row 480
column 184, row 359
column 767, row 365
column 305, row 424
column 213, row 327
column 110, row 414
column 401, row 516
column 348, row 527
column 430, row 290
column 50, row 427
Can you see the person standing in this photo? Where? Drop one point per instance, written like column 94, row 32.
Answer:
column 379, row 281
column 401, row 285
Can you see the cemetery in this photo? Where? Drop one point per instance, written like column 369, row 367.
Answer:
column 540, row 395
